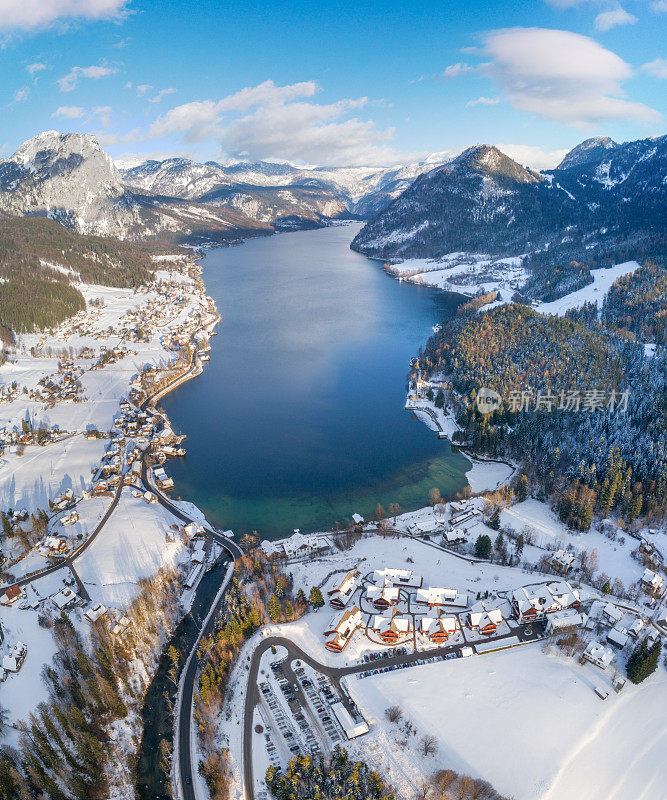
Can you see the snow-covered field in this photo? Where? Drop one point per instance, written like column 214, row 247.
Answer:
column 136, row 542
column 465, row 273
column 593, row 293
column 529, row 723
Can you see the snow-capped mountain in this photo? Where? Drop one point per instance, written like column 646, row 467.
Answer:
column 589, row 150
column 267, row 191
column 71, row 179
column 607, row 199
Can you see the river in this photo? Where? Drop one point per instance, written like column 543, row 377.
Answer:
column 298, row 419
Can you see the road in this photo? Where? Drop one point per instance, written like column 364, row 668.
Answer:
column 334, row 674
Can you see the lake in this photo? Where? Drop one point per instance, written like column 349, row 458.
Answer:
column 298, row 419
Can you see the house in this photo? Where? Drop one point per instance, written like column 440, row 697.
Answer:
column 149, row 497
column 564, row 621
column 340, row 596
column 425, row 527
column 299, row 545
column 341, row 627
column 533, row 602
column 10, row 595
column 485, row 616
column 392, row 626
column 399, row 577
column 357, row 519
column 442, row 597
column 612, row 614
column 53, row 545
column 14, row 661
column 598, row 654
column 122, row 624
column 64, row 599
column 271, row 548
column 635, row 628
column 653, row 583
column 562, row 561
column 162, row 479
column 382, row 595
column 437, row 628
column 453, row 536
column 618, row 637
column 94, row 613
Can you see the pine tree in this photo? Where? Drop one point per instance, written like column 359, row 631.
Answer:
column 316, row 600
column 274, row 610
column 643, row 661
column 494, row 520
column 521, row 490
column 483, row 546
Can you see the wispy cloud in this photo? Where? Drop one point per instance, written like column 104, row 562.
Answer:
column 21, row 94
column 69, row 112
column 33, row 69
column 657, row 68
column 483, row 101
column 456, row 70
column 30, row 14
column 533, row 156
column 162, row 93
column 613, row 19
column 70, row 81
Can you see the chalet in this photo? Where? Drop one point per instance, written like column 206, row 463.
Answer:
column 562, row 561
column 485, row 616
column 612, row 614
column 341, row 595
column 442, row 597
column 438, row 629
column 149, row 497
column 122, row 625
column 341, row 627
column 653, row 583
column 53, row 545
column 425, row 527
column 271, row 548
column 357, row 519
column 14, row 661
column 70, row 519
column 635, row 628
column 530, row 603
column 11, row 595
column 564, row 621
column 162, row 479
column 399, row 577
column 382, row 595
column 598, row 654
column 392, row 626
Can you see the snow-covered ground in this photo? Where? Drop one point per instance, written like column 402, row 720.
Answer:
column 529, row 723
column 137, row 541
column 593, row 293
column 465, row 273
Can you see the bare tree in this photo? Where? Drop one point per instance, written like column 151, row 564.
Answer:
column 423, row 791
column 429, row 745
column 393, row 713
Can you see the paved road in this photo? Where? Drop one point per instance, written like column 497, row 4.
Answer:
column 334, row 674
column 69, row 560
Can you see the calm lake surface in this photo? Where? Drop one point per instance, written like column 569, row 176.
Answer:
column 298, row 419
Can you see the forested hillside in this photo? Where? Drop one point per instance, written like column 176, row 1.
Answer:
column 583, row 408
column 637, row 304
column 40, row 259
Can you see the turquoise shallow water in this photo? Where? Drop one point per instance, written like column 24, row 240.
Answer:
column 298, row 420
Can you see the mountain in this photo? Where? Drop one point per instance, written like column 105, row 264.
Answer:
column 608, row 202
column 589, row 150
column 69, row 178
column 268, row 191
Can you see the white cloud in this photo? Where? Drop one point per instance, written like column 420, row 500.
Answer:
column 162, row 93
column 657, row 68
column 660, row 6
column 28, row 14
column 33, row 69
column 281, row 123
column 612, row 19
column 456, row 70
column 533, row 156
column 142, row 88
column 21, row 94
column 483, row 101
column 69, row 112
column 562, row 76
column 70, row 81
column 102, row 113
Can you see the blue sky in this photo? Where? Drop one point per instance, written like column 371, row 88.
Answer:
column 337, row 83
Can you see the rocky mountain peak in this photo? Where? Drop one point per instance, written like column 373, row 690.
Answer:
column 491, row 162
column 589, row 150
